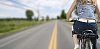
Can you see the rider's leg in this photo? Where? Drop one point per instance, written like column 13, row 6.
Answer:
column 95, row 31
column 94, row 42
column 76, row 41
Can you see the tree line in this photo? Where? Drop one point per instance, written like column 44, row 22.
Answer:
column 62, row 15
column 29, row 14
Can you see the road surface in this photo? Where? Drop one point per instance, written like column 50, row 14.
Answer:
column 51, row 35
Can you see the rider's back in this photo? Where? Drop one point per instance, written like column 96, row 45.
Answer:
column 86, row 11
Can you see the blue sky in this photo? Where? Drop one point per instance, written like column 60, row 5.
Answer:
column 16, row 8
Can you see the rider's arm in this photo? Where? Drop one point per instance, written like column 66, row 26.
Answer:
column 97, row 9
column 71, row 9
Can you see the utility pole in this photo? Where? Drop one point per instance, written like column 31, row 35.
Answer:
column 38, row 11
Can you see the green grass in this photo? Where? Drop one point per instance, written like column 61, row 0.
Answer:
column 8, row 27
column 99, row 27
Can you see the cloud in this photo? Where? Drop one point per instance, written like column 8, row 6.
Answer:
column 11, row 4
column 51, row 7
column 16, row 8
column 9, row 10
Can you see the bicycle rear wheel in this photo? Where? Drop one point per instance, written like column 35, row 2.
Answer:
column 88, row 44
column 82, row 44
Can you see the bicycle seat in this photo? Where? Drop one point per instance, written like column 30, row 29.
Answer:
column 87, row 31
column 87, row 34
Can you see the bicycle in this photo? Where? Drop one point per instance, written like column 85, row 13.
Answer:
column 85, row 39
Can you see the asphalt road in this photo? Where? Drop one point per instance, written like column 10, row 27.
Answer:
column 51, row 35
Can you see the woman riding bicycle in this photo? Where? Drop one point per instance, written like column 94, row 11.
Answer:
column 85, row 20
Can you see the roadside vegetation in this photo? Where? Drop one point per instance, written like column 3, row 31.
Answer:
column 99, row 27
column 10, row 26
column 62, row 15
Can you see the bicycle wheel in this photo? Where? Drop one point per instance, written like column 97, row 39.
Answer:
column 82, row 44
column 88, row 44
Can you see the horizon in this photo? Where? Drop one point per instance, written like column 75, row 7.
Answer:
column 17, row 8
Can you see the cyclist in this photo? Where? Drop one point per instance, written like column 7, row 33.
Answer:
column 85, row 20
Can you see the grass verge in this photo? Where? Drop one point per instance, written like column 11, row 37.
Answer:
column 99, row 27
column 10, row 27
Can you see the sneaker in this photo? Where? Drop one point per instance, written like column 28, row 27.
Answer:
column 76, row 48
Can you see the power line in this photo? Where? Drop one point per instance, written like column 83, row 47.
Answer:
column 19, row 7
column 11, row 5
column 18, row 3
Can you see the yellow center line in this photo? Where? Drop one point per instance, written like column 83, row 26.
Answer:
column 53, row 40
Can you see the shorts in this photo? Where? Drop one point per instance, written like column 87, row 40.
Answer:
column 79, row 27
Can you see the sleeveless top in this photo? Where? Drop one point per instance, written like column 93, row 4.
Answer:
column 85, row 11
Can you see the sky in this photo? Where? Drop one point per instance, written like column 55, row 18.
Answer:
column 17, row 8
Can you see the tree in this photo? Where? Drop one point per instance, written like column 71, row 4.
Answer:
column 63, row 14
column 42, row 18
column 47, row 18
column 36, row 18
column 29, row 14
column 58, row 17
